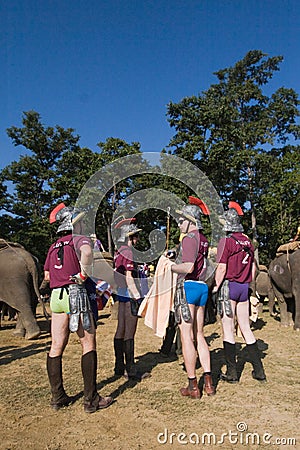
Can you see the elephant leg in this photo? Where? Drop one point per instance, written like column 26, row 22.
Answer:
column 290, row 304
column 271, row 298
column 296, row 292
column 284, row 315
column 19, row 330
column 29, row 322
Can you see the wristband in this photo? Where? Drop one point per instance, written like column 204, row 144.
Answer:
column 83, row 277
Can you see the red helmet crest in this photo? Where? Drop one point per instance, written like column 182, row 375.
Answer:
column 52, row 217
column 196, row 201
column 237, row 207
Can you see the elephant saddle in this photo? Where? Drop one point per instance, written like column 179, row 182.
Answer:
column 5, row 244
column 288, row 248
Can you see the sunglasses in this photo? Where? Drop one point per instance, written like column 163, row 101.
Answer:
column 180, row 221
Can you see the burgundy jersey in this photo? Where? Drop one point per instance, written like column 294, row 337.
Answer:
column 194, row 249
column 63, row 259
column 237, row 252
column 123, row 260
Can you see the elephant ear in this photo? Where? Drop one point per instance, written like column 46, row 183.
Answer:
column 237, row 207
column 53, row 213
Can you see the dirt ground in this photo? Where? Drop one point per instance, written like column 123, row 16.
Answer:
column 151, row 414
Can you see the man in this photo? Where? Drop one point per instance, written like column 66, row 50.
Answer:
column 236, row 268
column 189, row 267
column 68, row 264
column 128, row 296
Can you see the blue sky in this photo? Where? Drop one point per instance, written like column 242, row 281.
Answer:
column 109, row 68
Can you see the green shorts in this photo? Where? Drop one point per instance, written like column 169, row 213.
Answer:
column 57, row 304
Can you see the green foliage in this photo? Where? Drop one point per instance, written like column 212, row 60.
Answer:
column 29, row 181
column 225, row 131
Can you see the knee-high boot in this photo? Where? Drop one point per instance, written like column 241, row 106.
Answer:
column 258, row 372
column 54, row 369
column 230, row 358
column 119, row 356
column 130, row 366
column 129, row 357
column 92, row 400
column 168, row 341
column 169, row 337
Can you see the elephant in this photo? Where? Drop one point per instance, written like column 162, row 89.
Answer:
column 264, row 289
column 19, row 279
column 285, row 277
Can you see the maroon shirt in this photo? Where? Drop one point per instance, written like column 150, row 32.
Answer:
column 239, row 261
column 61, row 268
column 123, row 260
column 194, row 249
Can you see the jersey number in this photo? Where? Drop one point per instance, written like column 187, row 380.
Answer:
column 245, row 259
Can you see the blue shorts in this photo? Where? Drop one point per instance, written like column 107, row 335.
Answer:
column 239, row 292
column 196, row 292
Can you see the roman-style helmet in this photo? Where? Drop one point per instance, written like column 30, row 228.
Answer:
column 193, row 211
column 66, row 216
column 232, row 218
column 126, row 228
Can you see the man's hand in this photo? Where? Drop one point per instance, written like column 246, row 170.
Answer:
column 78, row 278
column 215, row 290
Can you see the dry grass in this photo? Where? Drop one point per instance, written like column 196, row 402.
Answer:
column 143, row 410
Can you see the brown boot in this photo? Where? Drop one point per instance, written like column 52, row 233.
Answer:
column 92, row 400
column 208, row 384
column 192, row 390
column 59, row 398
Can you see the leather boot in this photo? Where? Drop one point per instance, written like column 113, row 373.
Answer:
column 169, row 337
column 168, row 341
column 119, row 356
column 92, row 400
column 54, row 369
column 192, row 390
column 258, row 372
column 208, row 384
column 129, row 358
column 230, row 357
column 130, row 367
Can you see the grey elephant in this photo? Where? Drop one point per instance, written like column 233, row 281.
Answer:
column 264, row 288
column 19, row 286
column 285, row 276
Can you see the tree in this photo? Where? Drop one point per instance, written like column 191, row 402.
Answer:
column 226, row 129
column 31, row 197
column 111, row 150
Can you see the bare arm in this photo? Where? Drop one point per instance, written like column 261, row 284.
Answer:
column 220, row 275
column 46, row 275
column 183, row 268
column 253, row 271
column 86, row 259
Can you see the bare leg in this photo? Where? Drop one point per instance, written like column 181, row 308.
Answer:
column 242, row 313
column 87, row 338
column 188, row 346
column 60, row 333
column 202, row 347
column 228, row 325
